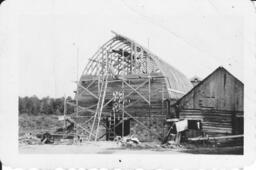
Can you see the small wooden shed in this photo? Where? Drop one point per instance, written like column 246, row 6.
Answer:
column 217, row 102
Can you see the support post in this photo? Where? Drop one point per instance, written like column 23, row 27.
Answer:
column 162, row 108
column 133, row 53
column 123, row 100
column 78, row 82
column 149, row 94
column 149, row 99
column 65, row 111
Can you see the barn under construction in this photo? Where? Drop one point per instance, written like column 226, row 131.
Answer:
column 129, row 95
column 126, row 90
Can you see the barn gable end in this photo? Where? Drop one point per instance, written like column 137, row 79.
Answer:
column 217, row 101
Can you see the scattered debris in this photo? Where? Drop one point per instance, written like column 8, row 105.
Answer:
column 29, row 139
column 47, row 138
column 129, row 141
column 171, row 145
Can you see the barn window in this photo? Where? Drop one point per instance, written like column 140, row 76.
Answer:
column 238, row 125
column 194, row 124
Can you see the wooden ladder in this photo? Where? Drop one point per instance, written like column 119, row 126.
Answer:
column 111, row 128
column 100, row 105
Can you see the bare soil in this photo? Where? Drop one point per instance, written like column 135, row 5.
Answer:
column 106, row 147
column 43, row 123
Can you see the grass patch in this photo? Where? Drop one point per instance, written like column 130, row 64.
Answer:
column 38, row 123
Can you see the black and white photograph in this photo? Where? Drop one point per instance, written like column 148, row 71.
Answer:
column 132, row 77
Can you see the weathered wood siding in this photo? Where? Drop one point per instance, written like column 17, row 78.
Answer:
column 134, row 103
column 217, row 101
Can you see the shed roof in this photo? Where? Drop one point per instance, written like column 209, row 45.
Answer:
column 220, row 68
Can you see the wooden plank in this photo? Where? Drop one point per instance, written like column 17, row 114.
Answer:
column 137, row 92
column 216, row 138
column 87, row 90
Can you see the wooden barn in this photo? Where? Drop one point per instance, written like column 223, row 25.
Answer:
column 126, row 89
column 216, row 103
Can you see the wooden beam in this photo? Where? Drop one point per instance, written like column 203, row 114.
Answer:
column 95, row 55
column 137, row 92
column 141, row 85
column 175, row 91
column 216, row 138
column 65, row 110
column 87, row 90
column 108, row 102
column 88, row 120
column 130, row 104
column 118, row 45
column 82, row 108
column 80, row 126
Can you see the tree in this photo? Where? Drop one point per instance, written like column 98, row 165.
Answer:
column 34, row 106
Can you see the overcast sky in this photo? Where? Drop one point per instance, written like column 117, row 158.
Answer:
column 193, row 36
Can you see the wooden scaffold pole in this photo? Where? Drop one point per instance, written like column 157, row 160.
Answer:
column 65, row 111
column 78, row 82
column 102, row 99
column 123, row 97
column 100, row 87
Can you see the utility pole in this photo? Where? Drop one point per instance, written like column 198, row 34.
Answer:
column 77, row 78
column 77, row 81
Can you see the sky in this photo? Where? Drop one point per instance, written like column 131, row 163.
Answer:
column 193, row 36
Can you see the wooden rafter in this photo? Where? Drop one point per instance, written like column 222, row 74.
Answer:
column 109, row 47
column 95, row 55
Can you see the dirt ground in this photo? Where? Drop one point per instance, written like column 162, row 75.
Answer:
column 105, row 147
column 43, row 123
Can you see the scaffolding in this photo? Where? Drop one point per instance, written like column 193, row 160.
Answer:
column 119, row 61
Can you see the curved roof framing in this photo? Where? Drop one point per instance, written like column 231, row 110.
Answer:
column 124, row 56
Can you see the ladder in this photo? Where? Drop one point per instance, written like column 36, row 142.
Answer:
column 100, row 105
column 111, row 128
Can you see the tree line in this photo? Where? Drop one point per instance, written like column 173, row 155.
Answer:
column 46, row 105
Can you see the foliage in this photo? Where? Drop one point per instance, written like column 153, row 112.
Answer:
column 49, row 106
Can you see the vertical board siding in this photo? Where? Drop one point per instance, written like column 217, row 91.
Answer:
column 215, row 101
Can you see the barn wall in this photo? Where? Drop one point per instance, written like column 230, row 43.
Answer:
column 217, row 101
column 220, row 91
column 137, row 105
column 153, row 116
column 155, row 124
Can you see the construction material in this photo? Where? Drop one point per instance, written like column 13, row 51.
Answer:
column 129, row 141
column 215, row 138
column 29, row 139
